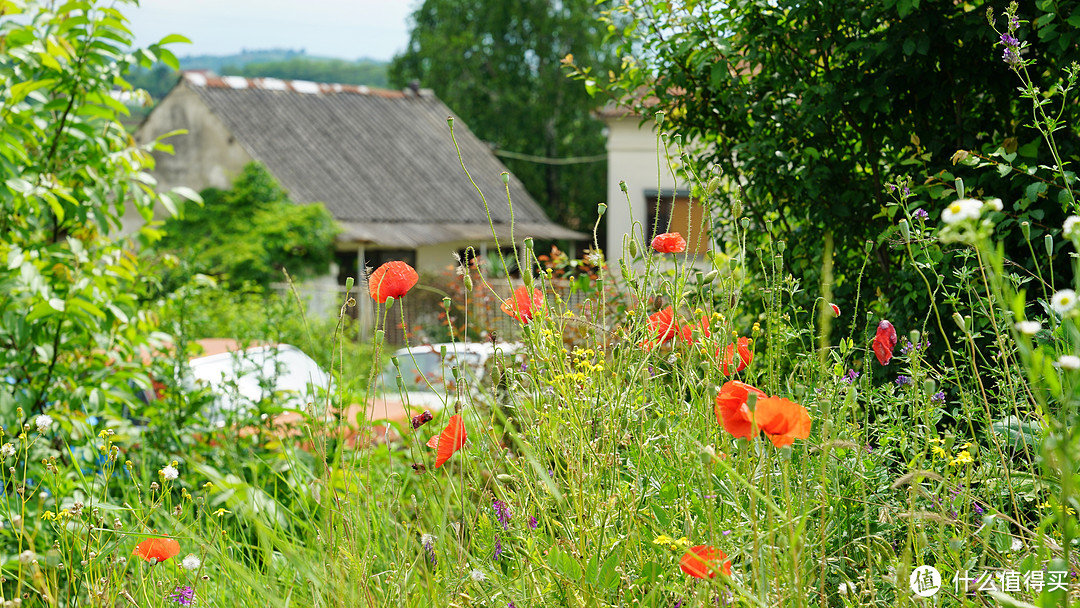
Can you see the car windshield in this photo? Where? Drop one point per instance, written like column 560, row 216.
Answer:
column 432, row 366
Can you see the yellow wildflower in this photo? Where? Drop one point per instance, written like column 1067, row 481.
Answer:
column 221, row 512
column 663, row 539
column 939, row 452
column 962, row 458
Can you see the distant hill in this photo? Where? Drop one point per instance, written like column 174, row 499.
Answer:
column 244, row 57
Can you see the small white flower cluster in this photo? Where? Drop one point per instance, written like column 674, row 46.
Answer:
column 968, row 209
column 1068, row 362
column 7, row 451
column 43, row 422
column 1028, row 328
column 169, row 473
column 1063, row 301
column 1071, row 228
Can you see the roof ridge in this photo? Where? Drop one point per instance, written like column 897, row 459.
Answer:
column 203, row 78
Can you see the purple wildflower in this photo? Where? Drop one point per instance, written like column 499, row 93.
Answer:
column 502, row 513
column 921, row 214
column 850, row 376
column 903, row 380
column 726, row 532
column 651, row 372
column 429, row 547
column 511, row 605
column 498, row 548
column 183, row 595
column 978, row 509
column 533, row 523
column 1009, row 40
column 1011, row 57
column 938, row 397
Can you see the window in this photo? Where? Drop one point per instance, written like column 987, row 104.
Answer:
column 677, row 213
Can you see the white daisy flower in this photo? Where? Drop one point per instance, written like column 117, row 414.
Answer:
column 169, row 473
column 1029, row 328
column 1069, row 362
column 43, row 422
column 1071, row 227
column 1063, row 301
column 191, row 562
column 962, row 209
column 7, row 451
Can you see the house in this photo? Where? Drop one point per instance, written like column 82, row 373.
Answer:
column 381, row 161
column 658, row 205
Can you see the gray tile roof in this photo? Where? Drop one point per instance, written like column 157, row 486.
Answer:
column 377, row 159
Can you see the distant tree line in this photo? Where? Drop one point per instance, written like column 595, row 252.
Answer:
column 158, row 79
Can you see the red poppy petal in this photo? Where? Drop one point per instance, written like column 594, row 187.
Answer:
column 704, row 561
column 884, row 342
column 391, row 280
column 159, row 549
column 450, row 440
column 669, row 242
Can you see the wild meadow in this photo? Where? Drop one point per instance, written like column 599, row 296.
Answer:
column 675, row 430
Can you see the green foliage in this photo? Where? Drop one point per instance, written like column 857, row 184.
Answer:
column 496, row 63
column 811, row 109
column 250, row 233
column 71, row 316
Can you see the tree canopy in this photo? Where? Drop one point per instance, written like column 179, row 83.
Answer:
column 248, row 234
column 812, row 109
column 496, row 63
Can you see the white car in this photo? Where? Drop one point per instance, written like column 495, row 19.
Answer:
column 427, row 377
column 241, row 379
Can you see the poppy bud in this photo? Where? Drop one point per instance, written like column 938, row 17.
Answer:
column 659, row 118
column 751, row 400
column 914, row 335
column 710, row 277
column 450, row 121
column 960, row 321
column 929, row 387
column 468, row 281
column 745, row 222
column 622, row 185
column 1048, row 241
column 713, row 184
column 379, row 335
column 601, row 209
column 781, row 246
column 348, row 284
column 1025, row 227
column 446, row 303
column 505, row 177
column 631, row 248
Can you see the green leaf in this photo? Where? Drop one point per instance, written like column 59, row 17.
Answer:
column 174, row 39
column 564, row 564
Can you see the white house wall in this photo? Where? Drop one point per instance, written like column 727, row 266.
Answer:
column 632, row 157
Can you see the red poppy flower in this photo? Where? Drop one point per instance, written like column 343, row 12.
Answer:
column 705, row 561
column 391, row 280
column 449, row 441
column 159, row 549
column 781, row 420
column 521, row 306
column 835, row 309
column 663, row 325
column 729, row 365
column 669, row 242
column 731, row 410
column 884, row 342
column 687, row 330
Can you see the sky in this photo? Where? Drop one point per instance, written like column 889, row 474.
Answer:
column 349, row 29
